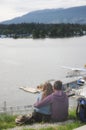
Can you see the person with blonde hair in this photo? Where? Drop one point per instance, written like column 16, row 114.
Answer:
column 39, row 114
column 47, row 89
column 43, row 113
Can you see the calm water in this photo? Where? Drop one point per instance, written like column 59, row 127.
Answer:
column 28, row 62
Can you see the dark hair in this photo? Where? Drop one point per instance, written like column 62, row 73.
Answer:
column 58, row 85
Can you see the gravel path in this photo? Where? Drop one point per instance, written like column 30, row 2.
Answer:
column 37, row 126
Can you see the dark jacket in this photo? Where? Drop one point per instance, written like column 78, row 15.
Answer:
column 59, row 105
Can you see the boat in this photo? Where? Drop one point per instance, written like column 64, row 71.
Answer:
column 75, row 71
column 30, row 89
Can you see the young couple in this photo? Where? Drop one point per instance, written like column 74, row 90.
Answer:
column 52, row 104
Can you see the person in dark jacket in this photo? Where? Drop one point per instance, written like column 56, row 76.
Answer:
column 58, row 101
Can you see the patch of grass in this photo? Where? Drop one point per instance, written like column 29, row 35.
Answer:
column 49, row 128
column 6, row 121
column 72, row 114
column 27, row 129
column 70, row 126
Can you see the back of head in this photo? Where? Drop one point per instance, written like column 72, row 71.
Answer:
column 58, row 85
column 47, row 89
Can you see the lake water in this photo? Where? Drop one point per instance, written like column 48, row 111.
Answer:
column 30, row 62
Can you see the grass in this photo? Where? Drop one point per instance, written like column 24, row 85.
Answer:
column 72, row 114
column 71, row 126
column 8, row 121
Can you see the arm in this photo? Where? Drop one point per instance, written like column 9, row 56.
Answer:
column 45, row 101
column 39, row 97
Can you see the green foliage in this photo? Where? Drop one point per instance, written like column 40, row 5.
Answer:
column 70, row 126
column 42, row 30
column 49, row 128
column 27, row 129
column 72, row 114
column 6, row 121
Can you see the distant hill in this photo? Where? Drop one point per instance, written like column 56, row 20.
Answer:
column 69, row 15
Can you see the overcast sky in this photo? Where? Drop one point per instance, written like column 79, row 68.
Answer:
column 13, row 8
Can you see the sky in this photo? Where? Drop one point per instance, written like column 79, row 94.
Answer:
column 13, row 8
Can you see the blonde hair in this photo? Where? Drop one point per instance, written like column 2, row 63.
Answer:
column 47, row 89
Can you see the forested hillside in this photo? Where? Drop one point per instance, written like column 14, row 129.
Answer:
column 42, row 30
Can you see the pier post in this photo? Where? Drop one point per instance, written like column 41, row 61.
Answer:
column 5, row 107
